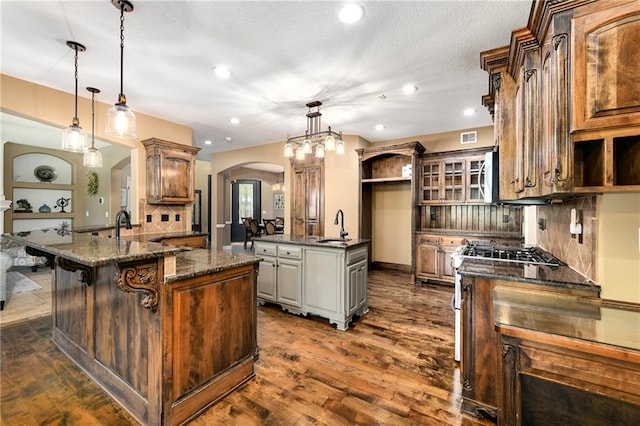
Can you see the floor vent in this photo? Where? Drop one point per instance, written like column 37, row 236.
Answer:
column 469, row 137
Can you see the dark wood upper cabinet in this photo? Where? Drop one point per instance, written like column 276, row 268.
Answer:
column 565, row 99
column 170, row 172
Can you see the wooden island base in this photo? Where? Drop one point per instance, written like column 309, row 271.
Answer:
column 164, row 351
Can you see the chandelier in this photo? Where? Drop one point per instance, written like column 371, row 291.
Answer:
column 314, row 140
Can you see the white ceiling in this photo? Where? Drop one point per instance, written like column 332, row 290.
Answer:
column 282, row 54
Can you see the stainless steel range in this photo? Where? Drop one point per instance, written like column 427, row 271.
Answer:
column 524, row 255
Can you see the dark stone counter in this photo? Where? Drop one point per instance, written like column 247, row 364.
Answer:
column 197, row 262
column 558, row 276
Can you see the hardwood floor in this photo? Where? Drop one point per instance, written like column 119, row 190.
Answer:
column 394, row 366
column 32, row 304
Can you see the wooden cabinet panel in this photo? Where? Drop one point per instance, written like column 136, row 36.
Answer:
column 433, row 257
column 170, row 172
column 607, row 44
column 289, row 282
column 308, row 198
column 195, row 241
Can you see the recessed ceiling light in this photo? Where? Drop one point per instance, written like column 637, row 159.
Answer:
column 469, row 112
column 234, row 120
column 222, row 72
column 207, row 142
column 409, row 89
column 379, row 127
column 351, row 13
column 228, row 139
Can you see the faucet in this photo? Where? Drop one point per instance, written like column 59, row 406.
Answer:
column 127, row 222
column 335, row 222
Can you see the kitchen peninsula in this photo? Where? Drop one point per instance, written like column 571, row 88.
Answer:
column 144, row 320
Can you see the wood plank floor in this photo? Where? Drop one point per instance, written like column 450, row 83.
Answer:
column 394, row 366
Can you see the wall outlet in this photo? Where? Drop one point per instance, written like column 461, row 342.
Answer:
column 542, row 224
column 164, row 218
column 106, row 214
column 433, row 216
column 177, row 218
column 505, row 218
column 149, row 218
column 86, row 213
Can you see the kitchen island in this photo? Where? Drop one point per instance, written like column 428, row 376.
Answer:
column 165, row 332
column 312, row 275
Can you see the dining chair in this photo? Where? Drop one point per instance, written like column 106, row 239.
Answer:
column 269, row 226
column 279, row 225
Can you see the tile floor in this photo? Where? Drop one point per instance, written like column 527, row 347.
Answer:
column 29, row 305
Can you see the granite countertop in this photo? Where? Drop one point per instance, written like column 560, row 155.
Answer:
column 308, row 240
column 584, row 318
column 90, row 250
column 560, row 276
column 159, row 236
column 197, row 262
column 96, row 228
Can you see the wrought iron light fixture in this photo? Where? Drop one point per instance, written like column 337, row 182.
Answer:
column 314, row 140
column 121, row 121
column 93, row 157
column 73, row 138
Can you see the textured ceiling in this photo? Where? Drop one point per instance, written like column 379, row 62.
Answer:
column 282, row 54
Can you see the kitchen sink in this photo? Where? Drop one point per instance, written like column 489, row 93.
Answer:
column 333, row 241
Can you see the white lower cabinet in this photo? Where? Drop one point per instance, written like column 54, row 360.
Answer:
column 325, row 281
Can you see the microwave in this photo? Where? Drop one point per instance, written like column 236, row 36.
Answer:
column 491, row 172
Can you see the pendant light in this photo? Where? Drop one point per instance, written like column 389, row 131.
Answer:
column 121, row 121
column 73, row 138
column 93, row 157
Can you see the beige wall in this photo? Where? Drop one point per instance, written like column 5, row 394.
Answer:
column 55, row 107
column 392, row 223
column 618, row 223
column 447, row 141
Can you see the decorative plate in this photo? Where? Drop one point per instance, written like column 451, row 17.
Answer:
column 45, row 173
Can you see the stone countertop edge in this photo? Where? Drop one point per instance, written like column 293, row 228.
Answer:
column 560, row 276
column 309, row 240
column 91, row 250
column 199, row 262
column 94, row 228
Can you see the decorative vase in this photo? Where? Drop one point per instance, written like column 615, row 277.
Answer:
column 44, row 209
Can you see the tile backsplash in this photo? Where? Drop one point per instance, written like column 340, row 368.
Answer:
column 557, row 239
column 164, row 218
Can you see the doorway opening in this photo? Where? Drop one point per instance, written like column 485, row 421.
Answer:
column 245, row 202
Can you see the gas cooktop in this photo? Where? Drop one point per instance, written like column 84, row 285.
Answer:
column 530, row 255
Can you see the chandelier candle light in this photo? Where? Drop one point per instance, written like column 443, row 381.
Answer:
column 73, row 138
column 93, row 157
column 121, row 121
column 314, row 139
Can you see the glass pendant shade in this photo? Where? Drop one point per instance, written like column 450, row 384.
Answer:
column 288, row 150
column 74, row 139
column 92, row 158
column 320, row 151
column 121, row 121
column 299, row 153
column 306, row 146
column 330, row 143
column 340, row 147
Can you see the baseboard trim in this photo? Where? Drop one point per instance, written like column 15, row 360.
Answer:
column 391, row 266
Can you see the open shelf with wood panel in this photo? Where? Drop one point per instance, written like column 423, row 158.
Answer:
column 607, row 161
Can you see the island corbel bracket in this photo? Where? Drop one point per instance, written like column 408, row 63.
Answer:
column 35, row 252
column 86, row 273
column 140, row 278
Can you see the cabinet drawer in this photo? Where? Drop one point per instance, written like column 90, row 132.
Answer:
column 453, row 241
column 266, row 249
column 428, row 239
column 290, row 252
column 356, row 255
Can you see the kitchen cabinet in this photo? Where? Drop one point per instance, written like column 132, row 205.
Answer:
column 433, row 257
column 170, row 172
column 480, row 340
column 453, row 177
column 572, row 102
column 307, row 277
column 566, row 358
column 280, row 279
column 335, row 283
column 307, row 213
column 193, row 241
